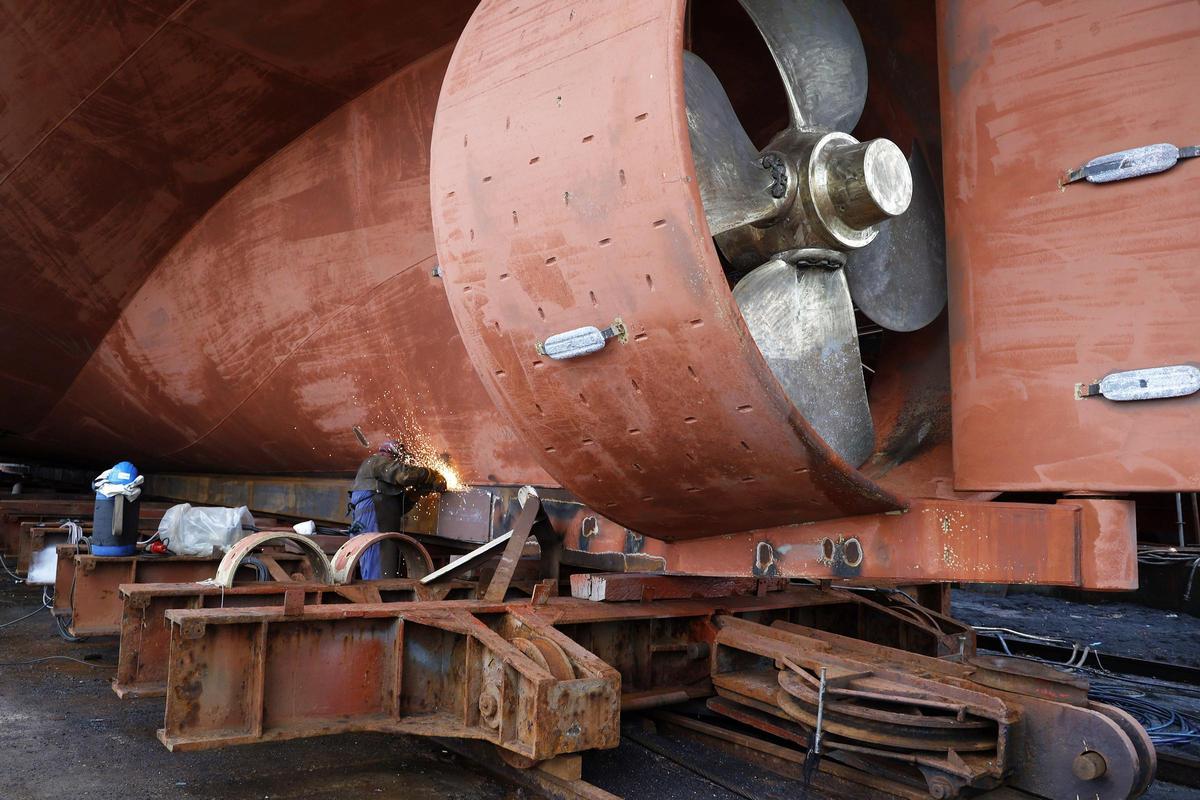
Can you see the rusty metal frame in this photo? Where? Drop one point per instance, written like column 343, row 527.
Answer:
column 33, row 538
column 219, row 656
column 246, row 676
column 548, row 678
column 87, row 588
column 14, row 513
column 145, row 632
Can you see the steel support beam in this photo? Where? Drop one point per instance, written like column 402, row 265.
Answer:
column 1086, row 543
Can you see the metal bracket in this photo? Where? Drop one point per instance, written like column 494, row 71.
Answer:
column 521, row 531
column 1148, row 160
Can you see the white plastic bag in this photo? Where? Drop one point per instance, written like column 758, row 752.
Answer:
column 197, row 531
column 44, row 568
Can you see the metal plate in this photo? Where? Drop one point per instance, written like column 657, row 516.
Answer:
column 1050, row 286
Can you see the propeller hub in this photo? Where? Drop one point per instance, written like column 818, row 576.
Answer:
column 869, row 182
column 853, row 186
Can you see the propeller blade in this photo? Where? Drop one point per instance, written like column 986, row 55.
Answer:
column 802, row 320
column 899, row 280
column 734, row 187
column 820, row 55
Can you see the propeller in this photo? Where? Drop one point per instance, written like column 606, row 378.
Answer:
column 799, row 313
column 734, row 186
column 791, row 213
column 817, row 49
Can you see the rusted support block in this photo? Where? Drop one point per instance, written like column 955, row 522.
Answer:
column 640, row 586
column 1107, row 543
column 64, row 580
column 276, row 572
column 145, row 633
column 567, row 768
column 90, row 598
column 421, row 668
column 86, row 586
column 366, row 592
column 543, row 591
column 668, row 696
column 541, row 782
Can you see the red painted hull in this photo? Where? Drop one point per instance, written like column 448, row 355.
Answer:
column 302, row 304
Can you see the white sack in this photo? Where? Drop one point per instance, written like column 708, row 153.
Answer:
column 198, row 531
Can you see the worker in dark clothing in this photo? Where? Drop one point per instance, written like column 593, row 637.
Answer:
column 388, row 483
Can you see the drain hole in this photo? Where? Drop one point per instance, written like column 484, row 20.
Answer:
column 852, row 552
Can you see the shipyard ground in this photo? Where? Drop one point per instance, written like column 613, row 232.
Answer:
column 63, row 733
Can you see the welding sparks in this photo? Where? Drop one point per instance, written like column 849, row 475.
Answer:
column 454, row 483
column 424, row 453
column 396, row 417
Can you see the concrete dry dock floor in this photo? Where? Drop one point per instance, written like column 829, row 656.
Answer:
column 64, row 733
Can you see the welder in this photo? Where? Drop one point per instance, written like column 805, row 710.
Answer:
column 387, row 485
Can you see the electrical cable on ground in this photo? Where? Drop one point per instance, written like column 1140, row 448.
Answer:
column 45, row 604
column 1165, row 725
column 52, row 658
column 15, row 576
